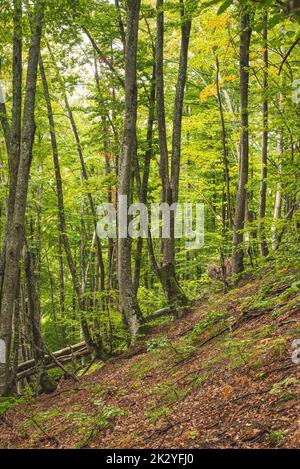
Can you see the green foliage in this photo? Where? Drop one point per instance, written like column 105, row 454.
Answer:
column 199, row 380
column 157, row 343
column 286, row 396
column 196, row 289
column 100, row 421
column 151, row 300
column 276, row 438
column 96, row 389
column 156, row 415
column 7, row 403
column 170, row 392
column 212, row 318
column 142, row 367
column 239, row 351
column 36, row 421
column 283, row 384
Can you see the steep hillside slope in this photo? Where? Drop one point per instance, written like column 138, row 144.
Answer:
column 221, row 376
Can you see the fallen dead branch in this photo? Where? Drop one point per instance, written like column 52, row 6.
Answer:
column 81, row 346
column 49, row 363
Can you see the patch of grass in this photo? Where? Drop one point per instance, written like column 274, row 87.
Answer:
column 136, row 385
column 89, row 425
column 199, row 380
column 292, row 304
column 192, row 435
column 286, row 396
column 220, row 357
column 264, row 332
column 211, row 319
column 41, row 418
column 142, row 367
column 256, row 364
column 275, row 347
column 182, row 349
column 94, row 367
column 77, row 407
column 185, row 346
column 147, row 326
column 82, row 419
column 7, row 403
column 158, row 343
column 258, row 303
column 169, row 392
column 255, row 349
column 95, row 388
column 276, row 438
column 239, row 351
column 156, row 415
column 294, row 288
column 56, row 373
column 284, row 384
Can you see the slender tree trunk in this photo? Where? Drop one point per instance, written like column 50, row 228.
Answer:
column 4, row 124
column 13, row 135
column 264, row 154
column 111, row 242
column 186, row 25
column 121, row 25
column 226, row 198
column 143, row 189
column 225, row 154
column 166, row 196
column 34, row 313
column 15, row 236
column 16, row 338
column 128, row 301
column 170, row 183
column 61, row 287
column 241, row 199
column 278, row 195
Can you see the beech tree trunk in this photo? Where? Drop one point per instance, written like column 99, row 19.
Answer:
column 12, row 134
column 278, row 194
column 34, row 312
column 128, row 301
column 15, row 233
column 264, row 154
column 170, row 182
column 227, row 196
column 143, row 185
column 241, row 198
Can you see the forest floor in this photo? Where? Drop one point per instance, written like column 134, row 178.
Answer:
column 222, row 376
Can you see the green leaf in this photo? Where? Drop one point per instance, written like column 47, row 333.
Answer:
column 224, row 6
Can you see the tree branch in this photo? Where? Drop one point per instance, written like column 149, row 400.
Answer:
column 103, row 58
column 288, row 54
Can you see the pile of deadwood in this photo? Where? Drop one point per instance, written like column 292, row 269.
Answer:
column 65, row 355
